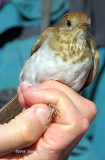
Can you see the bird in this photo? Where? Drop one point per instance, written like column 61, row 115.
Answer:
column 66, row 53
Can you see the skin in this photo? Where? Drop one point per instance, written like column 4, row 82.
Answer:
column 42, row 136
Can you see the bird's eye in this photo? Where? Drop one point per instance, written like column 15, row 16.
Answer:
column 68, row 23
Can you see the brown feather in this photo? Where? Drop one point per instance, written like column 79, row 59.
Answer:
column 39, row 41
column 94, row 69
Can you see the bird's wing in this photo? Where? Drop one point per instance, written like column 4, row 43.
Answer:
column 39, row 41
column 94, row 69
column 10, row 110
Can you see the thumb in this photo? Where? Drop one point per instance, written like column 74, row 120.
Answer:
column 25, row 129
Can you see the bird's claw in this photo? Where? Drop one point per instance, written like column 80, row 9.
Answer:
column 53, row 110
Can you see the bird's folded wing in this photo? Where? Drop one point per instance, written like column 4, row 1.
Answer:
column 39, row 41
column 10, row 110
column 94, row 70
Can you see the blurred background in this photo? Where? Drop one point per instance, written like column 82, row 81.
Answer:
column 21, row 22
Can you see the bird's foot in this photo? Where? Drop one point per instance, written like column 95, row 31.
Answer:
column 53, row 110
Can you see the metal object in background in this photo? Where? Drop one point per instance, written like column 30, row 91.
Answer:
column 46, row 4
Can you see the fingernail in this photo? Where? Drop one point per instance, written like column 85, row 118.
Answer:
column 43, row 115
column 25, row 83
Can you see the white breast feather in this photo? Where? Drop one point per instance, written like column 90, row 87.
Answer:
column 43, row 66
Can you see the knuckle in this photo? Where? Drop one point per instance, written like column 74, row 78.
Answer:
column 26, row 134
column 82, row 124
column 93, row 109
column 85, row 124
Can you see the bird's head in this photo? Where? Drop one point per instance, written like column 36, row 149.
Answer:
column 75, row 20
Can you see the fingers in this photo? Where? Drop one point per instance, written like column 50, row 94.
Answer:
column 22, row 88
column 68, row 111
column 24, row 130
column 86, row 107
column 71, row 123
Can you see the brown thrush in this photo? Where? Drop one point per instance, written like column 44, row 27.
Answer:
column 66, row 53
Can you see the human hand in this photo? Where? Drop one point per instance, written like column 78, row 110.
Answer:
column 46, row 138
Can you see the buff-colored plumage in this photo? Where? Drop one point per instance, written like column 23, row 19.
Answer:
column 66, row 53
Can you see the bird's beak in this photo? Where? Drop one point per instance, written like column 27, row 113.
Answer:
column 83, row 26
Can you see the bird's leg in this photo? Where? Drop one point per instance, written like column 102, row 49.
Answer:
column 53, row 110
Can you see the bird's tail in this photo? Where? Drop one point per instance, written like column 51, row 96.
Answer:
column 10, row 110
